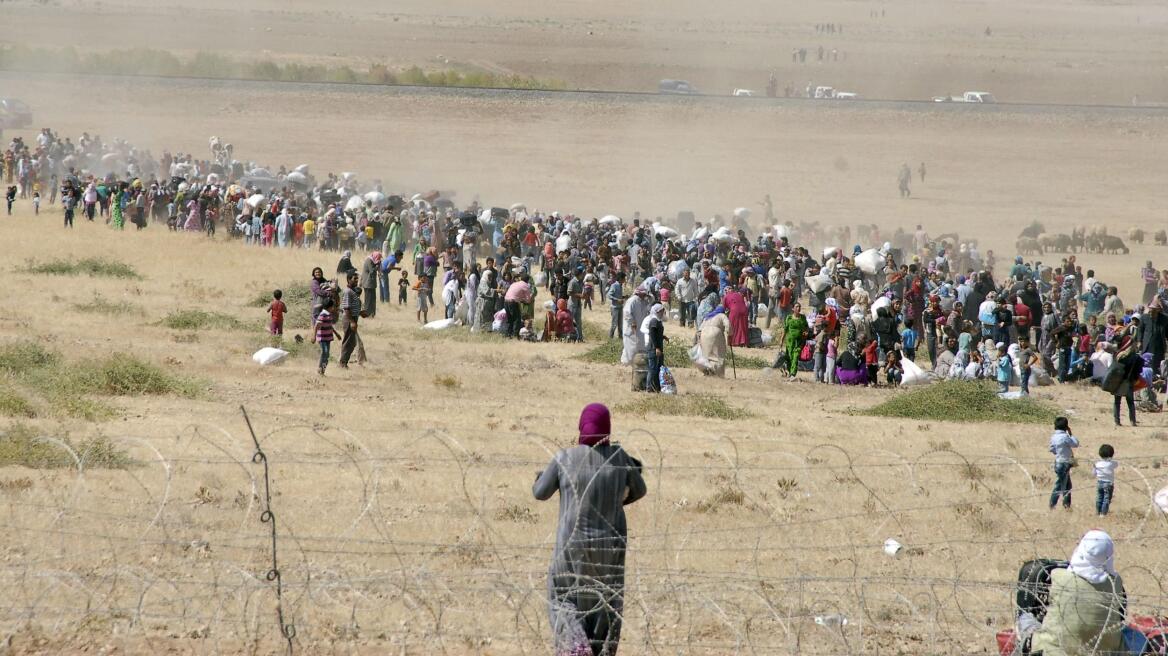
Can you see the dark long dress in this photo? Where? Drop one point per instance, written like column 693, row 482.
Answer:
column 586, row 578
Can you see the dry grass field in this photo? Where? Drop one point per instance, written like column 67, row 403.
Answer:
column 401, row 489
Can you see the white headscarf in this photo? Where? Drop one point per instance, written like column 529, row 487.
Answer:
column 1094, row 558
column 656, row 313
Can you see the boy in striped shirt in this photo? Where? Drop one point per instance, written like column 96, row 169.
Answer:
column 323, row 333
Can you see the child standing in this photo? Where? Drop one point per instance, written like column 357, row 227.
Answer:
column 1027, row 359
column 820, row 366
column 1105, row 479
column 403, row 287
column 423, row 288
column 908, row 340
column 277, row 309
column 1062, row 445
column 36, row 203
column 1005, row 369
column 829, row 376
column 323, row 333
column 871, row 360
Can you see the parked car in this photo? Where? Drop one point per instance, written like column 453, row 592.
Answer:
column 829, row 93
column 968, row 97
column 747, row 93
column 678, row 87
column 14, row 113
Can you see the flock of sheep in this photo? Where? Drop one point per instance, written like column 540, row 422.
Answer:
column 1035, row 240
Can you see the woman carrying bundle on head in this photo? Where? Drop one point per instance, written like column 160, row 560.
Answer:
column 595, row 479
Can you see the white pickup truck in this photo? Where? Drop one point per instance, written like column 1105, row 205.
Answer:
column 968, row 97
column 829, row 93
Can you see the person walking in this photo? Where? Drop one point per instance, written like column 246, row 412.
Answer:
column 350, row 313
column 323, row 333
column 596, row 479
column 1121, row 379
column 1105, row 479
column 370, row 271
column 1062, row 445
column 616, row 303
column 903, row 181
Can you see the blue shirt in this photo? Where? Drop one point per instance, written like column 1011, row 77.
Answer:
column 908, row 338
column 615, row 294
column 1061, row 444
column 1004, row 369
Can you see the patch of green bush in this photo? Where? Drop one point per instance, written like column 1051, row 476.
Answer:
column 608, row 351
column 13, row 404
column 21, row 446
column 23, row 358
column 122, row 374
column 963, row 401
column 144, row 61
column 298, row 298
column 66, row 388
column 94, row 267
column 689, row 405
column 201, row 319
column 100, row 305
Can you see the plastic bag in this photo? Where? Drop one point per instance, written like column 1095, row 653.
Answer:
column 269, row 355
column 668, row 384
column 819, row 283
column 440, row 324
column 870, row 261
column 913, row 375
column 698, row 357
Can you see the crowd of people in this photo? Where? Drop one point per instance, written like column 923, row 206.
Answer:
column 908, row 307
column 848, row 315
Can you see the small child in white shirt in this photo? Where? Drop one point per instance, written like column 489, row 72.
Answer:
column 1105, row 479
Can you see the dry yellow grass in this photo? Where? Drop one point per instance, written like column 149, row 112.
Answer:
column 403, row 504
column 401, row 489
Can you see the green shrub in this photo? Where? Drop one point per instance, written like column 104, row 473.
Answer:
column 963, row 401
column 676, row 354
column 125, row 375
column 13, row 404
column 298, row 298
column 689, row 405
column 46, row 381
column 99, row 305
column 94, row 267
column 201, row 319
column 142, row 61
column 23, row 358
column 20, row 445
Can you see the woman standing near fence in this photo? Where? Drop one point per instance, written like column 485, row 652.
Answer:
column 586, row 580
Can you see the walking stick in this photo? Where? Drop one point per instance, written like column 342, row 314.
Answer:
column 733, row 364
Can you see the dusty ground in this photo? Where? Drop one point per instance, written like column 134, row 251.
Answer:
column 1080, row 51
column 403, row 507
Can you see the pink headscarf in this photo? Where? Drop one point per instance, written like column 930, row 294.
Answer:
column 595, row 424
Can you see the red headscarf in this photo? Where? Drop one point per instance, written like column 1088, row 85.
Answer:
column 595, row 424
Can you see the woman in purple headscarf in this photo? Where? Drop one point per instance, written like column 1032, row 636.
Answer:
column 586, row 580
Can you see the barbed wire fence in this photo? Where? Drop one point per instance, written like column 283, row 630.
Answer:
column 309, row 536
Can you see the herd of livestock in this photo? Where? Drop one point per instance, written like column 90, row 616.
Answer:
column 1034, row 240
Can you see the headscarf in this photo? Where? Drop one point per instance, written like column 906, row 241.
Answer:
column 1126, row 345
column 656, row 313
column 376, row 257
column 1094, row 557
column 595, row 424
